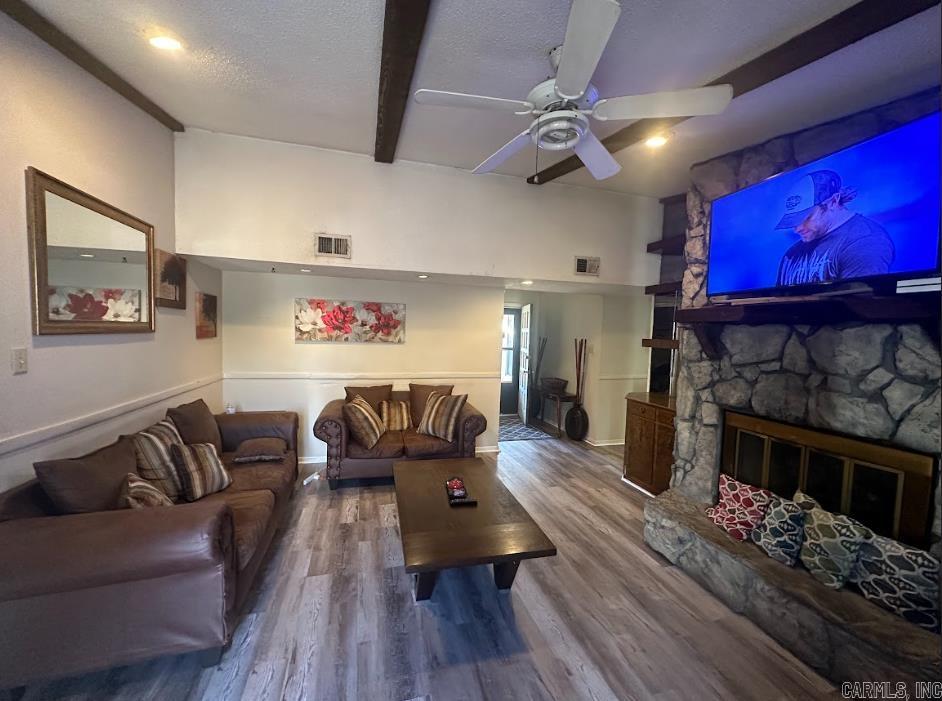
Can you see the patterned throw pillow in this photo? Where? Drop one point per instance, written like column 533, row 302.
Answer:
column 154, row 459
column 138, row 493
column 832, row 543
column 365, row 425
column 395, row 415
column 900, row 578
column 781, row 531
column 200, row 469
column 441, row 415
column 740, row 508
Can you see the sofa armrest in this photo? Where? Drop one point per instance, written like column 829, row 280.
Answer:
column 53, row 554
column 471, row 424
column 238, row 427
column 332, row 429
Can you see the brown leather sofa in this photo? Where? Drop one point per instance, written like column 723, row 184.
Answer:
column 347, row 459
column 81, row 592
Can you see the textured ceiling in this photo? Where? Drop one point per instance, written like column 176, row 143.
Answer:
column 305, row 71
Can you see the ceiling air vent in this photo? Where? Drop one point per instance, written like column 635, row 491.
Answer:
column 335, row 246
column 587, row 265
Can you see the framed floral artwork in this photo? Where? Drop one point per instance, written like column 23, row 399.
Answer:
column 94, row 304
column 170, row 285
column 336, row 321
column 206, row 310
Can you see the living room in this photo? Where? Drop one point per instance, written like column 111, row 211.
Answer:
column 224, row 223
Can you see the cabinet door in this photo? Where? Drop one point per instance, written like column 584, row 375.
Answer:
column 663, row 457
column 640, row 462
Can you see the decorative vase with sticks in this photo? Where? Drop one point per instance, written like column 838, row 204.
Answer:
column 577, row 421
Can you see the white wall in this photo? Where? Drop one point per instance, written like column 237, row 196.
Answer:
column 82, row 391
column 452, row 337
column 239, row 197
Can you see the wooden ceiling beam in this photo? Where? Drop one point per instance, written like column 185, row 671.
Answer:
column 25, row 15
column 843, row 29
column 403, row 29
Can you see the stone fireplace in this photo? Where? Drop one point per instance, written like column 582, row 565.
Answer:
column 879, row 382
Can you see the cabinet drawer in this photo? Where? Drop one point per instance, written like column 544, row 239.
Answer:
column 665, row 416
column 638, row 409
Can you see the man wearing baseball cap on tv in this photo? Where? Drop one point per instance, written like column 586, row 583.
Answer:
column 834, row 242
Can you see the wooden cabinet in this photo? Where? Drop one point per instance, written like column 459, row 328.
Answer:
column 649, row 440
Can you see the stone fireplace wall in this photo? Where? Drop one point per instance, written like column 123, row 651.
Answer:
column 876, row 381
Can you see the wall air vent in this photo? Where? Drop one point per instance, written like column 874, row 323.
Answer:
column 588, row 265
column 333, row 246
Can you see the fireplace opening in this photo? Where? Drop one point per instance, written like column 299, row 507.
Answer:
column 887, row 489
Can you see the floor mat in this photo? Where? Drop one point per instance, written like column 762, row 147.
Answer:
column 513, row 429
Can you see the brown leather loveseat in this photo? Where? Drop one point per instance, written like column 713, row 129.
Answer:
column 348, row 459
column 86, row 591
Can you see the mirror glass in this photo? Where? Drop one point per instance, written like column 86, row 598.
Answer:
column 97, row 267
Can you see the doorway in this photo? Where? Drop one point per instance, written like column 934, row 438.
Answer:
column 510, row 361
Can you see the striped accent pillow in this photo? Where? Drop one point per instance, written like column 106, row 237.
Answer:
column 441, row 415
column 200, row 469
column 138, row 493
column 154, row 459
column 395, row 415
column 365, row 425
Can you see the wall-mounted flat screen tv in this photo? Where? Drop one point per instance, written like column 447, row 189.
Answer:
column 869, row 212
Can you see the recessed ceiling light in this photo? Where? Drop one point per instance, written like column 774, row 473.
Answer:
column 423, row 277
column 165, row 43
column 86, row 255
column 656, row 141
column 305, row 270
column 526, row 282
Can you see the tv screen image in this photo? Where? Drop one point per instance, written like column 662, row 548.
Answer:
column 869, row 210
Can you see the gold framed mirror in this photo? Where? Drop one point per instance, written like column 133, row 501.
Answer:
column 91, row 264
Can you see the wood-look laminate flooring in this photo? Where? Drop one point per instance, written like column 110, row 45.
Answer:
column 607, row 618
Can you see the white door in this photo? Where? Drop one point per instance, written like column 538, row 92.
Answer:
column 524, row 362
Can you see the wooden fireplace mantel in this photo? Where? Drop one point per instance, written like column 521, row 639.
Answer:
column 922, row 308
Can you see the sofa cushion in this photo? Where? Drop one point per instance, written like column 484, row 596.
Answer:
column 200, row 469
column 782, row 530
column 441, row 415
column 138, row 493
column 276, row 477
column 418, row 397
column 196, row 424
column 261, row 450
column 154, row 459
column 395, row 414
column 92, row 482
column 832, row 543
column 388, row 446
column 373, row 395
column 251, row 515
column 420, row 445
column 364, row 424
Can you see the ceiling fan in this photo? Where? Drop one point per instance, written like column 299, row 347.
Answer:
column 562, row 105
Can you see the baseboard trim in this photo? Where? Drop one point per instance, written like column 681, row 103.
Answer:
column 601, row 444
column 636, row 487
column 348, row 376
column 487, row 449
column 49, row 432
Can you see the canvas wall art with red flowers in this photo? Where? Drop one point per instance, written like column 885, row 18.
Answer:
column 337, row 321
column 94, row 304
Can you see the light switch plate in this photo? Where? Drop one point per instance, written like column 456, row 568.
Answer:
column 18, row 361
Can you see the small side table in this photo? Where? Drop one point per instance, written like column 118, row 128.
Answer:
column 560, row 399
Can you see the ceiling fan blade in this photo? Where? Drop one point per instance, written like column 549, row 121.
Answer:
column 678, row 103
column 443, row 98
column 596, row 157
column 504, row 152
column 590, row 25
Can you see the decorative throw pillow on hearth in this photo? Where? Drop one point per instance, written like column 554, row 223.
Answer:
column 395, row 414
column 200, row 469
column 138, row 493
column 901, row 579
column 441, row 415
column 740, row 509
column 832, row 542
column 261, row 450
column 154, row 459
column 364, row 424
column 781, row 531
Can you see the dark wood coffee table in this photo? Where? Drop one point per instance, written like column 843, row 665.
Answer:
column 436, row 536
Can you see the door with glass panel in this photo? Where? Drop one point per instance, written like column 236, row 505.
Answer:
column 524, row 382
column 510, row 361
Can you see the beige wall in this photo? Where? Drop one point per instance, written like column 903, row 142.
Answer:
column 82, row 391
column 452, row 336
